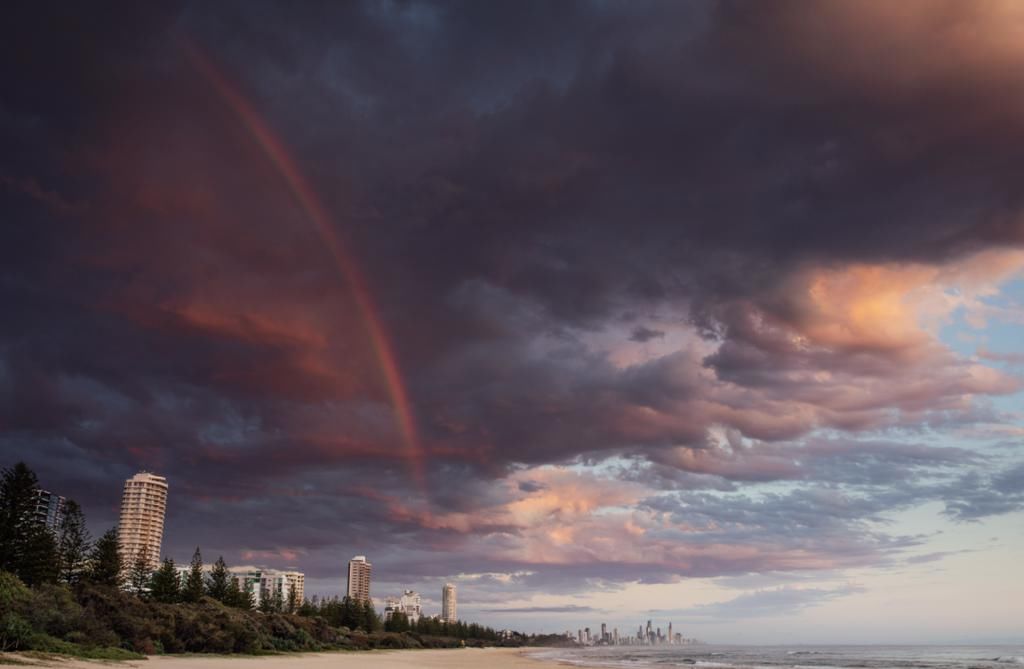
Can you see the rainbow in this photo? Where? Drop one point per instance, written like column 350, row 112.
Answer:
column 315, row 211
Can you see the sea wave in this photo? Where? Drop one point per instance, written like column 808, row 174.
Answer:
column 1010, row 659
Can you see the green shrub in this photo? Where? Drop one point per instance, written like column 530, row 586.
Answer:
column 15, row 632
column 14, row 594
column 53, row 610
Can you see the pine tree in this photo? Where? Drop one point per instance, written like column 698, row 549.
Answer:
column 266, row 605
column 235, row 597
column 73, row 544
column 39, row 556
column 277, row 602
column 309, row 608
column 19, row 494
column 194, row 587
column 105, row 564
column 219, row 581
column 248, row 599
column 165, row 586
column 371, row 623
column 399, row 622
column 292, row 605
column 349, row 613
column 140, row 574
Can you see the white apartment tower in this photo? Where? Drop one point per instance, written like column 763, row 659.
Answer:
column 141, row 527
column 410, row 605
column 449, row 607
column 359, row 578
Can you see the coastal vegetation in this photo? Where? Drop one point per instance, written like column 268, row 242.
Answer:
column 62, row 592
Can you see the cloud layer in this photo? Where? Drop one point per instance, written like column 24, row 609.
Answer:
column 666, row 284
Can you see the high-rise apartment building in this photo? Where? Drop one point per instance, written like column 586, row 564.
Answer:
column 359, row 578
column 141, row 528
column 449, row 604
column 49, row 510
column 296, row 583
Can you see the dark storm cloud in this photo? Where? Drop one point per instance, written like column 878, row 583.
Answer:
column 591, row 230
column 644, row 334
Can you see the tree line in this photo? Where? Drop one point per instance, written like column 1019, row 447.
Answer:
column 399, row 622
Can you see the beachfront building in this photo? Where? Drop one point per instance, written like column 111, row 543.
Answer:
column 141, row 526
column 268, row 584
column 297, row 582
column 286, row 584
column 49, row 510
column 409, row 604
column 250, row 580
column 449, row 606
column 359, row 578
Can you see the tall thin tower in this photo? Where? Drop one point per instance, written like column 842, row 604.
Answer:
column 141, row 528
column 359, row 578
column 449, row 605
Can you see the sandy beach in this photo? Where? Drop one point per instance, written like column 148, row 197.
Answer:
column 463, row 658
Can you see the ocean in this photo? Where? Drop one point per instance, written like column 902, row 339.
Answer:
column 791, row 657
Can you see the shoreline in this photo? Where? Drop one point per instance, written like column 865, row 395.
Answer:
column 442, row 658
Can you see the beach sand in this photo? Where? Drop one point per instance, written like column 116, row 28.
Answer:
column 462, row 658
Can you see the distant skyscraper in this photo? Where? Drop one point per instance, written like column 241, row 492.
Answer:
column 141, row 528
column 671, row 637
column 359, row 578
column 449, row 606
column 49, row 509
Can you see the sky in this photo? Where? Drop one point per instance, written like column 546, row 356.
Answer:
column 704, row 313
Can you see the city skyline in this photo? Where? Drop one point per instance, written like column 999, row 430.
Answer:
column 710, row 311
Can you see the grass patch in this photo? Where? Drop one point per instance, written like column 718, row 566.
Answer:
column 55, row 649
